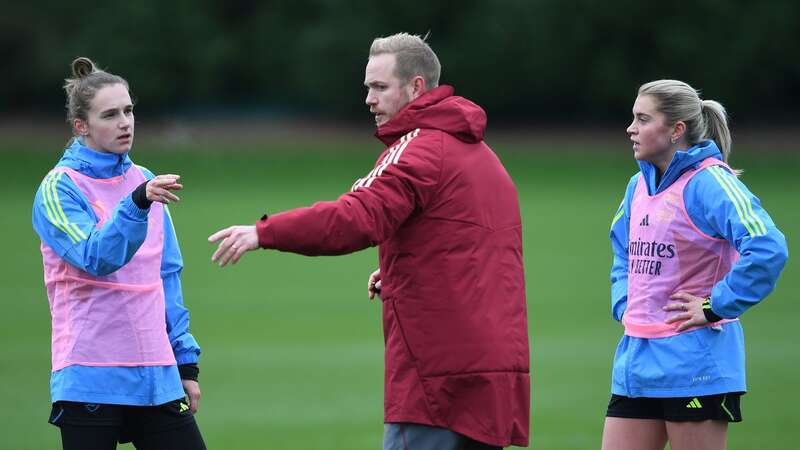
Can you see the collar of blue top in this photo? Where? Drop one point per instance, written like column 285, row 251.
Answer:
column 94, row 163
column 681, row 162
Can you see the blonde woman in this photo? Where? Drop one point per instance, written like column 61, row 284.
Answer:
column 693, row 250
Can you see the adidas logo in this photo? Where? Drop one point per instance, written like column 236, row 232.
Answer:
column 646, row 221
column 184, row 407
column 694, row 404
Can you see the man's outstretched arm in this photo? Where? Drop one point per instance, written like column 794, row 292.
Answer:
column 362, row 218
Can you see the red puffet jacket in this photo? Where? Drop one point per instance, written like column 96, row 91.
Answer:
column 445, row 215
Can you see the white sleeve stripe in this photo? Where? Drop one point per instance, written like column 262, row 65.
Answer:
column 400, row 152
column 361, row 181
column 386, row 161
column 394, row 156
column 390, row 159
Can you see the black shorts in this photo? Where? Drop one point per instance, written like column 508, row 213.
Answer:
column 723, row 407
column 101, row 426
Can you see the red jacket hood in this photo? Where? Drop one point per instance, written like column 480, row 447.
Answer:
column 437, row 109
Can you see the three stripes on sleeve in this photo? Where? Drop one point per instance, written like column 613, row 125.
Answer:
column 55, row 213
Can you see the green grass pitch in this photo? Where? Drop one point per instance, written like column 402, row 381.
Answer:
column 292, row 349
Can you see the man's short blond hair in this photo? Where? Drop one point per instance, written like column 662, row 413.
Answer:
column 414, row 57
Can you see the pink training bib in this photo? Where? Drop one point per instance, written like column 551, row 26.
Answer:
column 117, row 319
column 667, row 254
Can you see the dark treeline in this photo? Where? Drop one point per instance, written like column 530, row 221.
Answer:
column 549, row 60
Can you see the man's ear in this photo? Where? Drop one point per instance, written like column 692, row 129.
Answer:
column 417, row 87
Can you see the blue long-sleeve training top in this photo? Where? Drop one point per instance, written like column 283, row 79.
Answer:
column 705, row 361
column 720, row 205
column 73, row 236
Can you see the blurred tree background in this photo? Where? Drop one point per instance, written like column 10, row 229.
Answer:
column 259, row 105
column 545, row 60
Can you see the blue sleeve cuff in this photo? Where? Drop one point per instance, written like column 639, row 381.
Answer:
column 187, row 358
column 133, row 211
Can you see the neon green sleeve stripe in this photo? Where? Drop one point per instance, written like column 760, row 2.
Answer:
column 733, row 198
column 78, row 232
column 48, row 204
column 65, row 219
column 756, row 221
column 50, row 209
column 619, row 214
column 758, row 224
column 57, row 211
column 742, row 199
column 754, row 228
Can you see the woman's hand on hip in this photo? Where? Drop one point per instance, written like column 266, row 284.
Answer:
column 690, row 310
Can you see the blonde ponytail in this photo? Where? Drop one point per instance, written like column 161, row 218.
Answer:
column 716, row 121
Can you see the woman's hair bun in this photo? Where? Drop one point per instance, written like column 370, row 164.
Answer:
column 82, row 67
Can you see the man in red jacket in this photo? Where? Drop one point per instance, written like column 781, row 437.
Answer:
column 445, row 215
